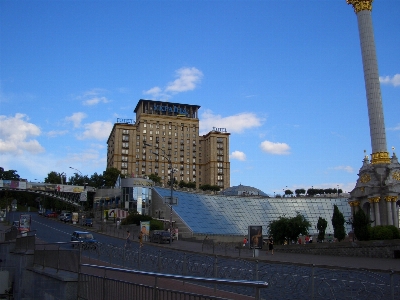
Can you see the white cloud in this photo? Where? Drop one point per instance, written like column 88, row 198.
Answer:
column 97, row 130
column 395, row 80
column 16, row 135
column 187, row 80
column 76, row 118
column 95, row 100
column 275, row 148
column 348, row 169
column 233, row 124
column 55, row 133
column 395, row 128
column 155, row 91
column 239, row 155
column 93, row 97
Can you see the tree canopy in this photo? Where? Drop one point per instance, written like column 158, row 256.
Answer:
column 8, row 175
column 288, row 229
column 338, row 224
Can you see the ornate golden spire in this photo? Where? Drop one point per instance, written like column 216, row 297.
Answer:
column 360, row 5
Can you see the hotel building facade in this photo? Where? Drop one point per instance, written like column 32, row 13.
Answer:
column 165, row 135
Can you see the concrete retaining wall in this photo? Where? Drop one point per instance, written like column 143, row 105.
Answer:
column 373, row 249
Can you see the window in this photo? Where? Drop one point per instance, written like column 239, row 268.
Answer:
column 124, row 165
column 125, row 145
column 124, row 158
column 125, row 151
column 125, row 131
column 144, row 131
column 125, row 138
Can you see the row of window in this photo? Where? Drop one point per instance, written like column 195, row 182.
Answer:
column 170, row 126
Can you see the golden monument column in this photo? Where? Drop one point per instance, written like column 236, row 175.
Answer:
column 371, row 77
column 377, row 183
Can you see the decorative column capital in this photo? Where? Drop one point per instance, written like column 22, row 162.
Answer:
column 380, row 158
column 391, row 198
column 360, row 5
column 374, row 199
column 354, row 203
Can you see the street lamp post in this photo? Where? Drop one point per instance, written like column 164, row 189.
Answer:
column 172, row 186
column 61, row 176
column 84, row 184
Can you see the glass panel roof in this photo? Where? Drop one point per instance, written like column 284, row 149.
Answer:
column 231, row 215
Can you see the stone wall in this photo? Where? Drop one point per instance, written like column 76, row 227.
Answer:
column 373, row 249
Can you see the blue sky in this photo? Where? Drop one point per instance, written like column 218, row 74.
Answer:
column 284, row 77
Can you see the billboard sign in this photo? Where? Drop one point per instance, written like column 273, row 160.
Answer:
column 24, row 222
column 255, row 237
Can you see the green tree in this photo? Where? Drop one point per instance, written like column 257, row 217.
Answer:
column 110, row 176
column 338, row 224
column 155, row 178
column 288, row 193
column 9, row 175
column 361, row 225
column 321, row 226
column 78, row 179
column 299, row 192
column 96, row 180
column 288, row 229
column 55, row 178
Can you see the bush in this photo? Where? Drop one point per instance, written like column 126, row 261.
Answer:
column 384, row 233
column 135, row 218
column 156, row 225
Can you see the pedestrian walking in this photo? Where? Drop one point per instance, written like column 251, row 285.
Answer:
column 141, row 239
column 128, row 240
column 271, row 245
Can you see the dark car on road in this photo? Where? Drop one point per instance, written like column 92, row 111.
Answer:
column 160, row 236
column 89, row 242
column 88, row 222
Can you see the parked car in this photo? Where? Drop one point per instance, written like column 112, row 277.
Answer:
column 88, row 222
column 84, row 237
column 62, row 216
column 160, row 236
column 68, row 219
column 51, row 214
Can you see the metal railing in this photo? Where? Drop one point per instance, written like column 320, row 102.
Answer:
column 102, row 287
column 286, row 280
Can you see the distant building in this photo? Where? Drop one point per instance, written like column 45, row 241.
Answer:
column 172, row 130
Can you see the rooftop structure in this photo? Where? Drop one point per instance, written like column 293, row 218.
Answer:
column 231, row 215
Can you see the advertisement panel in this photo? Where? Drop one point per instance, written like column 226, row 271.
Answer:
column 255, row 237
column 75, row 218
column 145, row 228
column 24, row 223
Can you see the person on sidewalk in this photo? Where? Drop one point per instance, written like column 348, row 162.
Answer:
column 271, row 245
column 128, row 240
column 141, row 239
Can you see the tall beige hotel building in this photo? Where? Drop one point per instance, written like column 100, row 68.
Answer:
column 165, row 134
